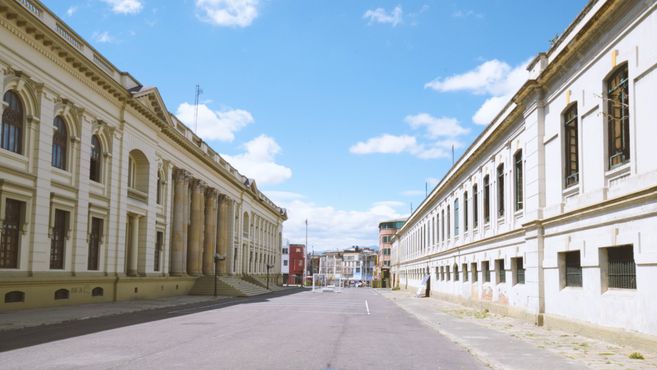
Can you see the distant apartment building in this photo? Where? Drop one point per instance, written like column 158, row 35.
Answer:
column 355, row 263
column 387, row 230
column 297, row 263
column 285, row 262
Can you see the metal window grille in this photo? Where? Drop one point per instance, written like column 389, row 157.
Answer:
column 520, row 271
column 61, row 294
column 456, row 273
column 572, row 149
column 486, row 198
column 58, row 240
column 475, row 206
column 456, row 217
column 499, row 269
column 500, row 190
column 486, row 269
column 622, row 269
column 159, row 243
column 94, row 160
column 517, row 159
column 15, row 296
column 573, row 269
column 59, row 144
column 618, row 117
column 94, row 243
column 10, row 236
column 465, row 211
column 11, row 135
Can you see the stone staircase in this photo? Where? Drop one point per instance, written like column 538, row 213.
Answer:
column 230, row 286
column 262, row 282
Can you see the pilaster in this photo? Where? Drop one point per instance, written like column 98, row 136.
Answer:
column 210, row 240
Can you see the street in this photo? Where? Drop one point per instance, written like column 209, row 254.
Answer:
column 299, row 329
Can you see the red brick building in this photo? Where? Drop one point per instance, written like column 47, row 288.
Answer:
column 297, row 263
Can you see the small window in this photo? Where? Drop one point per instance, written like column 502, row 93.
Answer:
column 500, row 190
column 473, row 269
column 97, row 292
column 618, row 117
column 456, row 272
column 465, row 272
column 571, row 147
column 61, row 294
column 284, row 262
column 15, row 297
column 485, row 268
column 572, row 268
column 518, row 270
column 159, row 245
column 59, row 143
column 621, row 269
column 447, row 273
column 486, row 199
column 500, row 272
column 518, row 180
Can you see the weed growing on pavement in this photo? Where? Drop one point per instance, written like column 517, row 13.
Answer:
column 636, row 356
column 606, row 354
column 481, row 314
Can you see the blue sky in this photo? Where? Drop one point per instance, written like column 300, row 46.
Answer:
column 341, row 110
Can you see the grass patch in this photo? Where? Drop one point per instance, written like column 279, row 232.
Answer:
column 481, row 314
column 636, row 356
column 606, row 354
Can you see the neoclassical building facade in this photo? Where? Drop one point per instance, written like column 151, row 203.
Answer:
column 550, row 214
column 104, row 194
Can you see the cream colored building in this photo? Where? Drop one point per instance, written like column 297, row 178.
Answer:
column 550, row 214
column 104, row 194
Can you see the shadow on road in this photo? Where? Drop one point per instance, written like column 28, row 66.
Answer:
column 20, row 338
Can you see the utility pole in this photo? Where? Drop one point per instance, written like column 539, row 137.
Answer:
column 196, row 96
column 305, row 255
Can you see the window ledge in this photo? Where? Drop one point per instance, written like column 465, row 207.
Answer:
column 618, row 172
column 137, row 194
column 572, row 288
column 620, row 292
column 570, row 191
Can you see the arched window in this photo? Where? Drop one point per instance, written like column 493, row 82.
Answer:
column 15, row 296
column 12, row 123
column 500, row 190
column 618, row 117
column 95, row 159
column 571, row 147
column 59, row 143
column 518, row 180
column 160, row 183
column 61, row 294
column 97, row 292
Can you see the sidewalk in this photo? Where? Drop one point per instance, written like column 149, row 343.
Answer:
column 507, row 343
column 53, row 315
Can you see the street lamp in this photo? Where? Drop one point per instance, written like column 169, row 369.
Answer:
column 217, row 258
column 268, row 267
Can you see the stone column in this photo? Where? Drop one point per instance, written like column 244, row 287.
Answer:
column 196, row 229
column 224, row 241
column 233, row 253
column 210, row 241
column 134, row 245
column 180, row 178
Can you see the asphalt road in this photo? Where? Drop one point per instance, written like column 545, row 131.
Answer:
column 355, row 329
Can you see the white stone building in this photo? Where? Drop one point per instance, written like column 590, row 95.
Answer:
column 550, row 214
column 104, row 194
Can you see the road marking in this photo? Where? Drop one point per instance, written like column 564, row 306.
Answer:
column 367, row 307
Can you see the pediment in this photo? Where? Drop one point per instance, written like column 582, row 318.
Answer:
column 151, row 98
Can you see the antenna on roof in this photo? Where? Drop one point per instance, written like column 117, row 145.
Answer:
column 198, row 93
column 426, row 189
column 452, row 154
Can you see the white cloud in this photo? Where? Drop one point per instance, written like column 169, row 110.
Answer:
column 214, row 125
column 330, row 228
column 258, row 161
column 466, row 14
column 103, row 37
column 436, row 126
column 227, row 13
column 385, row 144
column 125, row 6
column 380, row 15
column 70, row 11
column 494, row 78
column 432, row 181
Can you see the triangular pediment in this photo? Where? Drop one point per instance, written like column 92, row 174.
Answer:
column 151, row 98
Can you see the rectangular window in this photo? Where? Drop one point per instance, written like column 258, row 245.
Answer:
column 571, row 148
column 10, row 236
column 447, row 273
column 618, row 117
column 572, row 268
column 95, row 238
column 284, row 262
column 456, row 217
column 159, row 244
column 500, row 272
column 442, row 225
column 485, row 268
column 456, row 272
column 58, row 240
column 621, row 269
column 486, row 199
column 500, row 190
column 449, row 229
column 465, row 271
column 518, row 186
column 518, row 271
column 475, row 206
column 465, row 211
column 473, row 269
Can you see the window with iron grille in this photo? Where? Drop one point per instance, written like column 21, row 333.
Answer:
column 499, row 270
column 571, row 146
column 465, row 211
column 10, row 236
column 456, row 217
column 94, row 243
column 473, row 269
column 442, row 226
column 485, row 268
column 159, row 244
column 449, row 229
column 465, row 271
column 62, row 294
column 621, row 269
column 518, row 180
column 486, row 199
column 11, row 135
column 475, row 206
column 14, row 296
column 58, row 240
column 618, row 117
column 573, row 268
column 95, row 159
column 59, row 143
column 456, row 272
column 500, row 190
column 447, row 273
column 519, row 270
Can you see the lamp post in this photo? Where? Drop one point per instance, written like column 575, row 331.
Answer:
column 217, row 258
column 268, row 267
